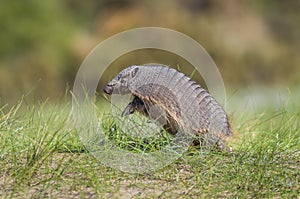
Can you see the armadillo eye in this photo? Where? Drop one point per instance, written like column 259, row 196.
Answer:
column 119, row 76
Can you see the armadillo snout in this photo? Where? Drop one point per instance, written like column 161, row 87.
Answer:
column 108, row 89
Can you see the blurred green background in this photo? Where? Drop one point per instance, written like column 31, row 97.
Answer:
column 42, row 43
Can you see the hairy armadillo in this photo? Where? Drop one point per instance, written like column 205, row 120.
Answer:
column 186, row 103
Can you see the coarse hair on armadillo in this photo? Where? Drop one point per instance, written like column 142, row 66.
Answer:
column 185, row 101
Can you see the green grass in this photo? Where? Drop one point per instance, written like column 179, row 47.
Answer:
column 112, row 127
column 42, row 156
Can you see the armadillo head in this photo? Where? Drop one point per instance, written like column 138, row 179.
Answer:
column 120, row 83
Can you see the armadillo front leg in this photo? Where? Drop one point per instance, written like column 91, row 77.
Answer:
column 143, row 107
column 135, row 105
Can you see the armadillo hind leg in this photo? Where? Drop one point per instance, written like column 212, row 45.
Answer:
column 210, row 142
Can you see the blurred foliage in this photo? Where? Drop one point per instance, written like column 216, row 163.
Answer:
column 42, row 43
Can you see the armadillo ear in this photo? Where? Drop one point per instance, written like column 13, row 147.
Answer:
column 134, row 71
